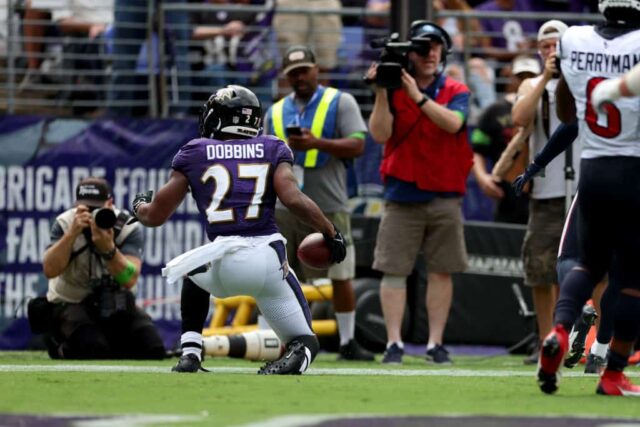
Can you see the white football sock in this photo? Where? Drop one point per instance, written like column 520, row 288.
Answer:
column 599, row 349
column 191, row 343
column 346, row 326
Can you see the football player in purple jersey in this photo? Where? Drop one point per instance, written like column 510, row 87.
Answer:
column 235, row 175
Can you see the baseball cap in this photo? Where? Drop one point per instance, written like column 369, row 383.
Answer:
column 296, row 57
column 93, row 192
column 551, row 29
column 525, row 64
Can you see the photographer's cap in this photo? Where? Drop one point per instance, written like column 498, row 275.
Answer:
column 525, row 64
column 296, row 57
column 93, row 192
column 551, row 30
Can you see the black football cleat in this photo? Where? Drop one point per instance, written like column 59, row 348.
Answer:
column 579, row 334
column 295, row 361
column 594, row 364
column 188, row 363
column 353, row 351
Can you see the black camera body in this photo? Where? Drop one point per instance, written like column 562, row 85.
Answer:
column 109, row 300
column 394, row 58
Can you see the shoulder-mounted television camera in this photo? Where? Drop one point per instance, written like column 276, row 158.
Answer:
column 394, row 55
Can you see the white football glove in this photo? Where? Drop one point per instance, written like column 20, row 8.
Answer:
column 606, row 91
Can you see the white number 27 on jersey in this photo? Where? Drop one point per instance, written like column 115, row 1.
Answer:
column 222, row 179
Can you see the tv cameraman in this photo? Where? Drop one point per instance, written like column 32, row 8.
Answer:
column 426, row 160
column 92, row 263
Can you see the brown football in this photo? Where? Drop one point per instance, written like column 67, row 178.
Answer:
column 314, row 252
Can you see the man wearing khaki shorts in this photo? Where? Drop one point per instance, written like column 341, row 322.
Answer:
column 426, row 162
column 321, row 32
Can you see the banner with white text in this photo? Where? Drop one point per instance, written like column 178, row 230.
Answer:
column 41, row 163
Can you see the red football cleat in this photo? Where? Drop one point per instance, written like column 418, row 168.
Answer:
column 554, row 348
column 614, row 383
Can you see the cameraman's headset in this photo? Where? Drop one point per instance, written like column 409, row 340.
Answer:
column 423, row 30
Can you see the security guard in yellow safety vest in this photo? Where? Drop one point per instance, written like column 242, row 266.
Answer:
column 324, row 128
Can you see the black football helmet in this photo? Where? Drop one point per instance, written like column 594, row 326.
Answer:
column 425, row 31
column 233, row 111
column 622, row 11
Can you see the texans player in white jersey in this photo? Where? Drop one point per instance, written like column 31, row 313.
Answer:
column 234, row 174
column 609, row 188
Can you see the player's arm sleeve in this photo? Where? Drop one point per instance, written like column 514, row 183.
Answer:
column 350, row 123
column 181, row 159
column 562, row 138
column 284, row 153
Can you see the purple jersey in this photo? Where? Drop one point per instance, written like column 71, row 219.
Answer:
column 232, row 182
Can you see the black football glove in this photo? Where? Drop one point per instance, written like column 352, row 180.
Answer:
column 337, row 246
column 519, row 183
column 140, row 198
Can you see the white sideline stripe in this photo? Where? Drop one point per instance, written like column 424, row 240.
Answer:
column 135, row 420
column 302, row 420
column 310, row 371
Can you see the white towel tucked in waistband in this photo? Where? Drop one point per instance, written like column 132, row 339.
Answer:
column 189, row 261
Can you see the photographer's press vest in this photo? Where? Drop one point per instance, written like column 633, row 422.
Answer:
column 73, row 285
column 319, row 116
column 420, row 152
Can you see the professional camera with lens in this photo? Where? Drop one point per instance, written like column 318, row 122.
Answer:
column 103, row 217
column 394, row 56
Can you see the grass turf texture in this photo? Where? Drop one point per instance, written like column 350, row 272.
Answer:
column 231, row 399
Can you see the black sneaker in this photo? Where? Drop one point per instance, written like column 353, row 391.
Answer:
column 594, row 364
column 393, row 355
column 439, row 354
column 295, row 361
column 353, row 351
column 578, row 335
column 187, row 363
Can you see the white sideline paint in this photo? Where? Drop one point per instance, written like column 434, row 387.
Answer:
column 135, row 420
column 311, row 371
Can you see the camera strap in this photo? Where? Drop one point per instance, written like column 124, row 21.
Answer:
column 121, row 220
column 545, row 112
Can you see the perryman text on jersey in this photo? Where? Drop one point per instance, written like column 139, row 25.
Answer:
column 603, row 62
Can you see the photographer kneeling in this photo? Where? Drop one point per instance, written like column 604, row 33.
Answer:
column 422, row 124
column 92, row 263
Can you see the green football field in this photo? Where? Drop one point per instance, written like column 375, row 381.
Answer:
column 147, row 393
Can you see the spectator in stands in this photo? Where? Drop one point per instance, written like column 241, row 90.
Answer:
column 375, row 27
column 329, row 132
column 129, row 33
column 535, row 106
column 492, row 134
column 426, row 162
column 509, row 37
column 321, row 32
column 84, row 54
column 92, row 264
column 480, row 77
column 233, row 48
column 36, row 24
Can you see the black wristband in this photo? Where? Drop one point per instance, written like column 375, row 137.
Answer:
column 108, row 256
column 423, row 101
